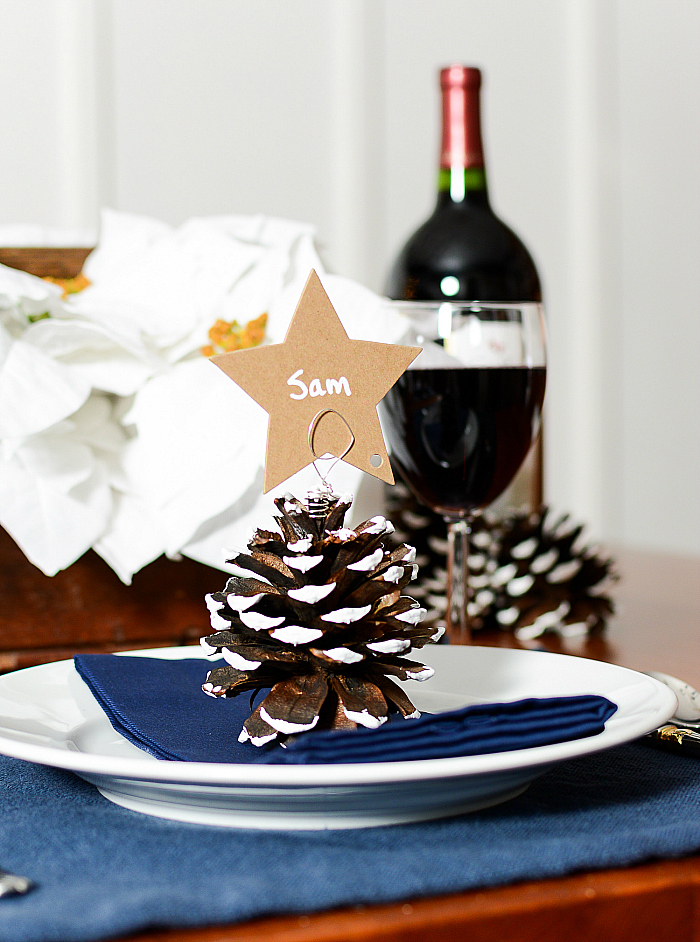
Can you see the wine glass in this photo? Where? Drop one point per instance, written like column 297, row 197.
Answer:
column 462, row 418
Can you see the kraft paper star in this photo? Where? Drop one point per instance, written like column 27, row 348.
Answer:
column 320, row 390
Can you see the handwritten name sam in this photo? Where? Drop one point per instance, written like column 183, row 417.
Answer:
column 315, row 387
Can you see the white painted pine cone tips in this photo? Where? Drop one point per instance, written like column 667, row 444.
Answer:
column 529, row 573
column 318, row 618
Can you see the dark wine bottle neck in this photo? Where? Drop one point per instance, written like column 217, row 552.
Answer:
column 462, row 179
column 462, row 185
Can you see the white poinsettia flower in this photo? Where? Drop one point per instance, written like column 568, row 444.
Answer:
column 36, row 391
column 196, row 449
column 25, row 298
column 169, row 285
column 56, row 496
column 95, row 355
column 61, row 437
column 115, row 432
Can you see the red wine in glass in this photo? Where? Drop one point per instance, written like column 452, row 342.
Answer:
column 462, row 418
column 459, row 435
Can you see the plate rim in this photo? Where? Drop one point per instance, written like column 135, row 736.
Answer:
column 150, row 769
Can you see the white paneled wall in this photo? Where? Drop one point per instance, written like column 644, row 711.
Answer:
column 327, row 111
column 659, row 274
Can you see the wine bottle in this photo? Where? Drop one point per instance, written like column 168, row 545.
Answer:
column 463, row 251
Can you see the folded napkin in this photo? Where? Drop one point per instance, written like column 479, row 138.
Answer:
column 158, row 705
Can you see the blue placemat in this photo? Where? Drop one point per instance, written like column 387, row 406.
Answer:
column 159, row 706
column 105, row 871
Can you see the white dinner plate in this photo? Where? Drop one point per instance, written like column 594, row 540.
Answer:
column 48, row 715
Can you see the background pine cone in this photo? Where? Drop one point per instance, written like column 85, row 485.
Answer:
column 541, row 578
column 528, row 572
column 321, row 621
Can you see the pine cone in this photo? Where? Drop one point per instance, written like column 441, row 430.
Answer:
column 427, row 532
column 526, row 574
column 538, row 579
column 321, row 621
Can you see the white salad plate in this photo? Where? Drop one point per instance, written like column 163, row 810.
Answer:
column 48, row 716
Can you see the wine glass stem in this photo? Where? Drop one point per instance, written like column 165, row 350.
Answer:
column 457, row 620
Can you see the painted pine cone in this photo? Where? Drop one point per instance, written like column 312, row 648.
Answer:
column 528, row 572
column 321, row 621
column 537, row 577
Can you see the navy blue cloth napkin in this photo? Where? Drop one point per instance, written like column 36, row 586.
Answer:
column 159, row 706
column 103, row 871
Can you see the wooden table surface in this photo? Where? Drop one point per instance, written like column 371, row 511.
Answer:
column 657, row 628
